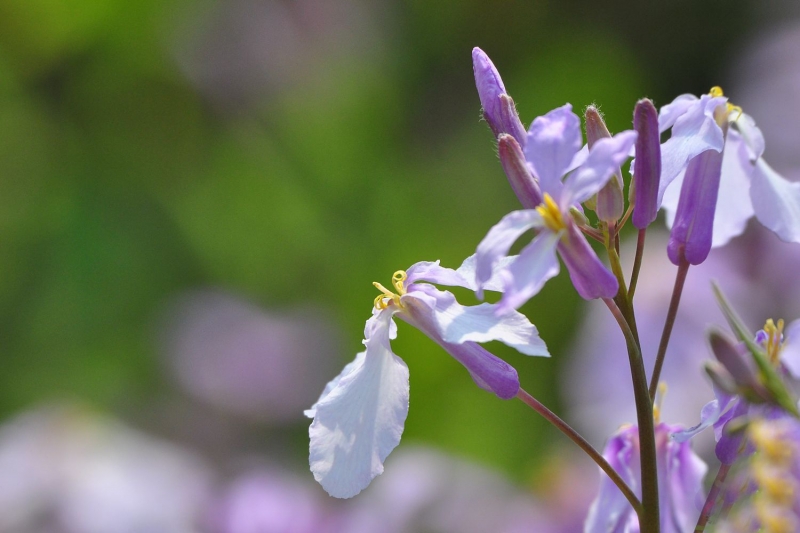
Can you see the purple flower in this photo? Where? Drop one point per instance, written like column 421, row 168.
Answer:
column 647, row 165
column 782, row 351
column 359, row 417
column 714, row 179
column 680, row 479
column 553, row 151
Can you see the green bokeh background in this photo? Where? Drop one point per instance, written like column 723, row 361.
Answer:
column 123, row 183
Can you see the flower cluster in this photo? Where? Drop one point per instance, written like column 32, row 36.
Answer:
column 709, row 176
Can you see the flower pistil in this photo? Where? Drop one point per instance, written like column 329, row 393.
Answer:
column 398, row 278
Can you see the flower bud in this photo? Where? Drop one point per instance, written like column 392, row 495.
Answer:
column 518, row 172
column 609, row 201
column 692, row 229
column 647, row 165
column 498, row 108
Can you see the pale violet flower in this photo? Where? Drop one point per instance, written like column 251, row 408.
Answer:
column 553, row 151
column 680, row 483
column 359, row 417
column 714, row 178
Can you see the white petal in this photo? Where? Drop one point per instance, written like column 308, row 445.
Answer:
column 753, row 138
column 670, row 112
column 499, row 240
column 495, row 283
column 776, row 202
column 360, row 420
column 525, row 277
column 434, row 273
column 458, row 324
column 734, row 207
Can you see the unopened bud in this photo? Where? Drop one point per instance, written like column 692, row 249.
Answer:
column 609, row 201
column 647, row 165
column 498, row 108
column 519, row 174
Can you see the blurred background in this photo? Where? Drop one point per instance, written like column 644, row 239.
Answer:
column 195, row 198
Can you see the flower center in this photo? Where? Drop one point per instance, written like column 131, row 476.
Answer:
column 729, row 108
column 774, row 340
column 397, row 281
column 551, row 214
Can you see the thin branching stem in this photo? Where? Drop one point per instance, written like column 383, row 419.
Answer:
column 708, row 507
column 672, row 312
column 637, row 264
column 583, row 444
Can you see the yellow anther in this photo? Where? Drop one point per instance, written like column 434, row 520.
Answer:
column 551, row 214
column 398, row 279
column 716, row 91
column 735, row 109
column 774, row 341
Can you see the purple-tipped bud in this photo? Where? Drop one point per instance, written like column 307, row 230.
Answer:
column 647, row 165
column 736, row 361
column 610, row 202
column 693, row 228
column 498, row 108
column 519, row 174
column 588, row 274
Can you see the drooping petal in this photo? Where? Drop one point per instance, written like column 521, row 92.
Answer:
column 499, row 240
column 750, row 133
column 360, row 420
column 524, row 278
column 694, row 132
column 605, row 158
column 790, row 352
column 457, row 323
column 693, row 227
column 588, row 274
column 776, row 202
column 553, row 141
column 734, row 207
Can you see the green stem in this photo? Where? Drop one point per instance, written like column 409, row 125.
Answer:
column 672, row 312
column 649, row 518
column 583, row 444
column 716, row 487
column 637, row 264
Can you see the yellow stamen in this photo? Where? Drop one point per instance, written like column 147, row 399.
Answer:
column 551, row 214
column 729, row 108
column 716, row 91
column 773, row 344
column 660, row 393
column 398, row 278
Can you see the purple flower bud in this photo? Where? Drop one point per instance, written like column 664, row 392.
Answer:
column 694, row 219
column 498, row 108
column 588, row 274
column 610, row 202
column 647, row 165
column 519, row 174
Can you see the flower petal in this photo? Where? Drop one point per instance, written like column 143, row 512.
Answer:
column 610, row 510
column 553, row 141
column 488, row 371
column 588, row 274
column 499, row 240
column 457, row 324
column 603, row 160
column 693, row 132
column 360, row 419
column 495, row 283
column 433, row 273
column 734, row 207
column 525, row 277
column 776, row 202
